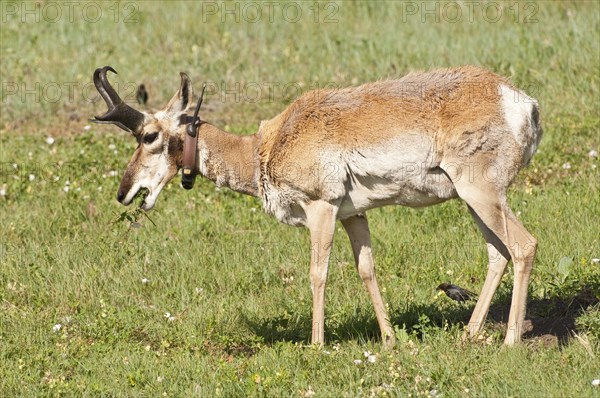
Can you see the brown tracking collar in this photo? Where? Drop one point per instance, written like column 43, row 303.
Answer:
column 190, row 148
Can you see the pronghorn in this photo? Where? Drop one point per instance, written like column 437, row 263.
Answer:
column 334, row 154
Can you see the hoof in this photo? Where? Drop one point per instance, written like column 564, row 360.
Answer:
column 389, row 340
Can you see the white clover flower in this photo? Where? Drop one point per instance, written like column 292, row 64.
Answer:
column 566, row 166
column 357, row 361
column 596, row 260
column 169, row 317
column 596, row 382
column 87, row 127
column 112, row 147
column 2, row 191
column 56, row 327
column 49, row 140
column 145, row 280
column 371, row 359
column 31, row 177
column 593, row 153
column 434, row 393
column 66, row 188
column 367, row 354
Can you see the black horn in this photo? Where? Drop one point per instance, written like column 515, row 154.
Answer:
column 119, row 112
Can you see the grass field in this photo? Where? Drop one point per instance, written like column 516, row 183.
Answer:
column 219, row 304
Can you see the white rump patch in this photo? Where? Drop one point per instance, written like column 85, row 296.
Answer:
column 517, row 109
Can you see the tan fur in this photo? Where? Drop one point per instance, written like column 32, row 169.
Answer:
column 447, row 105
column 230, row 160
column 334, row 154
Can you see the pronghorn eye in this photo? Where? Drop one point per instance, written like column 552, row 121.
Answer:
column 150, row 138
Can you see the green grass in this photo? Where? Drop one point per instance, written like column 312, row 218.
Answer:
column 241, row 323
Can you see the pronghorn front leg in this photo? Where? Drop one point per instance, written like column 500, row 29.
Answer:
column 357, row 228
column 321, row 223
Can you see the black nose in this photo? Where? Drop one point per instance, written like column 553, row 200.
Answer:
column 120, row 195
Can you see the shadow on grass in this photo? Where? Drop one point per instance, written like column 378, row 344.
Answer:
column 280, row 328
column 552, row 319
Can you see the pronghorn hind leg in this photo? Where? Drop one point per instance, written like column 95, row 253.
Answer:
column 522, row 247
column 321, row 218
column 498, row 258
column 357, row 228
column 487, row 199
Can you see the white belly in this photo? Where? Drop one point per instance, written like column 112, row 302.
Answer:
column 416, row 189
column 403, row 171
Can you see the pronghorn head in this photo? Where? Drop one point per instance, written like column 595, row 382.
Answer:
column 159, row 135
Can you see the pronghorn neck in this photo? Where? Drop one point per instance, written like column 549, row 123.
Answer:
column 228, row 160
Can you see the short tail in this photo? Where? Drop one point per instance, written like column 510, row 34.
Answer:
column 536, row 131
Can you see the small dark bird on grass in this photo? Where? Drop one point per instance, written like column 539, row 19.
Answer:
column 456, row 293
column 142, row 95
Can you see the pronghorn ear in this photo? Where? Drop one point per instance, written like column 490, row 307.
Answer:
column 182, row 100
